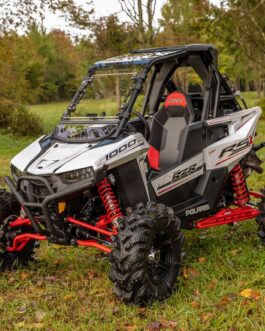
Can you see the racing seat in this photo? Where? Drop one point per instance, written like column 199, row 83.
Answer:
column 169, row 130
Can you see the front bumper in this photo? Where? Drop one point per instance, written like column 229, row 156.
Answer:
column 25, row 199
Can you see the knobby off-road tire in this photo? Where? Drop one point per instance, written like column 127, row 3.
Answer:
column 146, row 258
column 261, row 219
column 9, row 207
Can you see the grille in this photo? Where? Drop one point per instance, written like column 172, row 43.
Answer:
column 37, row 189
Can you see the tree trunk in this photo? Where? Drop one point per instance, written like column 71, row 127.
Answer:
column 141, row 21
column 150, row 31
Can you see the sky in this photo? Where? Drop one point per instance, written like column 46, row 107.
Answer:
column 106, row 7
column 102, row 8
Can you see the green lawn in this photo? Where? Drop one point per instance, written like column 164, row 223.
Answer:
column 251, row 98
column 51, row 113
column 68, row 288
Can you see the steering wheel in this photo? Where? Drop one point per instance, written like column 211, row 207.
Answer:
column 146, row 124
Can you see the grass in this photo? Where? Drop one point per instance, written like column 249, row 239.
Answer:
column 68, row 289
column 251, row 98
column 51, row 113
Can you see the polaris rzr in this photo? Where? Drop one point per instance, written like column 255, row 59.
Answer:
column 174, row 156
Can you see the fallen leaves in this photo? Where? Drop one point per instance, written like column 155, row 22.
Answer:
column 195, row 304
column 162, row 324
column 168, row 324
column 68, row 297
column 154, row 326
column 40, row 315
column 201, row 259
column 51, row 278
column 235, row 252
column 190, row 273
column 115, row 310
column 22, row 309
column 82, row 294
column 226, row 300
column 20, row 324
column 24, row 275
column 246, row 293
column 249, row 293
column 34, row 326
column 205, row 316
column 212, row 284
column 130, row 328
column 2, row 301
column 91, row 275
column 142, row 312
column 37, row 324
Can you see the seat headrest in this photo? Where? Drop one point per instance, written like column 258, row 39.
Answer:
column 177, row 104
column 176, row 99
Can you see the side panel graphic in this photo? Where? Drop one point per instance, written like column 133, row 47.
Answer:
column 183, row 173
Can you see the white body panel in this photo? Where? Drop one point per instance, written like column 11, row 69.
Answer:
column 231, row 149
column 181, row 174
column 22, row 159
column 63, row 157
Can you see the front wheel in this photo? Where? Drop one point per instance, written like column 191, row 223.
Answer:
column 9, row 211
column 146, row 258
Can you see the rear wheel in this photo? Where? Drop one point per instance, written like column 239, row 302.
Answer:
column 9, row 211
column 146, row 258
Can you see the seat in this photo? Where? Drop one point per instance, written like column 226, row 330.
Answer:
column 169, row 130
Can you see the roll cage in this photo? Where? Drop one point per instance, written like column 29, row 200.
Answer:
column 163, row 62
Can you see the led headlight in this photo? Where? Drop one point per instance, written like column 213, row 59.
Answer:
column 77, row 175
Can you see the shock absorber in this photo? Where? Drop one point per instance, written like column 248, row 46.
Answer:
column 109, row 200
column 239, row 185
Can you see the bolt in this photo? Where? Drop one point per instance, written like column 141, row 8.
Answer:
column 154, row 256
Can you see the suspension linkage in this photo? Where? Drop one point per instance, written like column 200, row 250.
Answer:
column 21, row 240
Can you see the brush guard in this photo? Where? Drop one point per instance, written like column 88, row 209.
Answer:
column 113, row 214
column 243, row 211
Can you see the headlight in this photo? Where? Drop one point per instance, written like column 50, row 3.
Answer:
column 77, row 175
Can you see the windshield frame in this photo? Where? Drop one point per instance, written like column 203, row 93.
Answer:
column 83, row 121
column 124, row 112
column 80, row 93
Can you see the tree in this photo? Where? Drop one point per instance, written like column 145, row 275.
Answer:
column 141, row 13
column 240, row 27
column 112, row 38
column 249, row 31
column 179, row 21
column 22, row 14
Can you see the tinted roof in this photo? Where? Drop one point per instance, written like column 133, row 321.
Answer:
column 145, row 56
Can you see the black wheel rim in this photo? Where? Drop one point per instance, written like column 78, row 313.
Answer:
column 160, row 259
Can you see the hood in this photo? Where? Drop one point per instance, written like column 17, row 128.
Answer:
column 56, row 156
column 62, row 157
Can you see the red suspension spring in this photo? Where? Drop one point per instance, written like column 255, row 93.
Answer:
column 109, row 200
column 239, row 186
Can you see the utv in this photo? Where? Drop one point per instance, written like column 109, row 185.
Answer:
column 175, row 156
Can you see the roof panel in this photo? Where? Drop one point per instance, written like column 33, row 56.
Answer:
column 145, row 56
column 133, row 58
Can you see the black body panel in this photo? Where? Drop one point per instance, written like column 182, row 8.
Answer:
column 195, row 141
column 179, row 194
column 208, row 191
column 130, row 184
